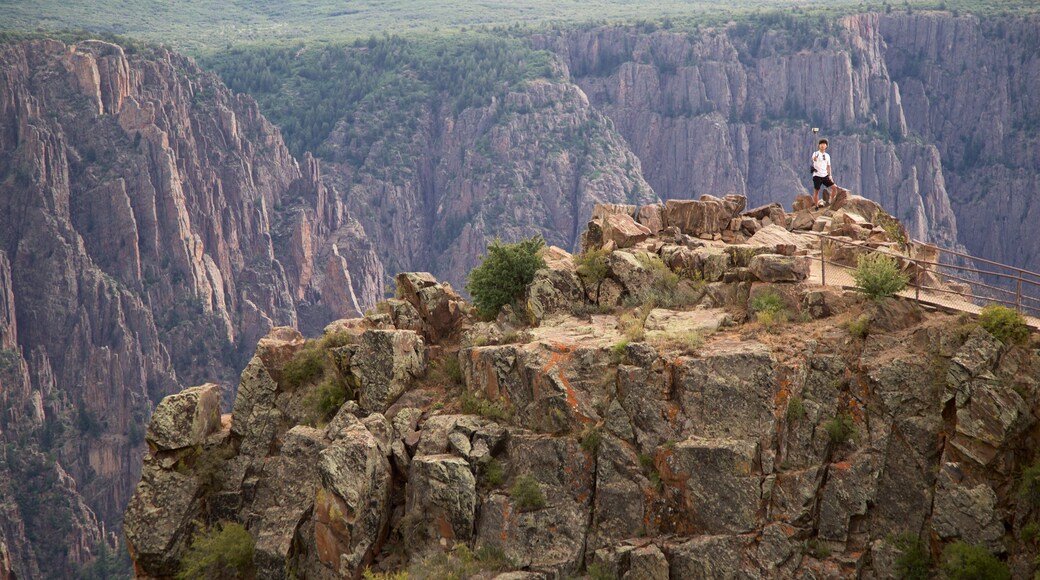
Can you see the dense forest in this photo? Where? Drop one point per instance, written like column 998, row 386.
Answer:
column 306, row 90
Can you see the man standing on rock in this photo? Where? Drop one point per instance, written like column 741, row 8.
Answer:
column 821, row 163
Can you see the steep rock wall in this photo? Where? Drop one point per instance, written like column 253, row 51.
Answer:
column 534, row 162
column 972, row 87
column 138, row 200
column 730, row 111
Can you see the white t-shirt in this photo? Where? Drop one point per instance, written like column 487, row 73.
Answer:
column 821, row 162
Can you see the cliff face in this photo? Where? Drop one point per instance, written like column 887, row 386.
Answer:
column 972, row 87
column 137, row 203
column 534, row 162
column 730, row 111
column 698, row 439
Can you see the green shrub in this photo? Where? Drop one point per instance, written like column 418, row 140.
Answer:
column 503, row 274
column 599, row 571
column 327, row 398
column 840, row 428
column 893, row 228
column 447, row 369
column 591, row 437
column 795, row 409
column 859, row 327
column 494, row 410
column 592, row 267
column 961, row 561
column 307, row 365
column 1031, row 533
column 878, row 275
column 223, row 551
column 527, row 494
column 1029, row 484
column 767, row 301
column 914, row 562
column 1004, row 324
column 666, row 289
column 618, row 350
column 493, row 474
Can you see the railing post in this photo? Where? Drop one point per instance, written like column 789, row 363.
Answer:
column 1018, row 293
column 917, row 282
column 823, row 265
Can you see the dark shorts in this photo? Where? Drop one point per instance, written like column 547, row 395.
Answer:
column 817, row 181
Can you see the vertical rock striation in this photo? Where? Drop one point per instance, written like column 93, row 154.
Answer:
column 140, row 202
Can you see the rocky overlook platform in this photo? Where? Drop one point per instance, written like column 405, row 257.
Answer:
column 636, row 415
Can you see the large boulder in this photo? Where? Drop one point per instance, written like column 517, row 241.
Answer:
column 631, row 272
column 652, row 217
column 185, row 419
column 553, row 290
column 439, row 305
column 775, row 235
column 383, row 363
column 284, row 500
column 254, row 417
column 601, row 211
column 441, row 501
column 697, row 217
column 158, row 520
column 351, row 507
column 777, row 268
column 624, row 231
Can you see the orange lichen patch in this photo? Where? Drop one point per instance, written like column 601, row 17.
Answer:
column 444, row 528
column 507, row 514
column 671, row 412
column 331, row 533
column 561, row 356
column 857, row 411
column 841, row 465
column 783, row 394
column 788, row 530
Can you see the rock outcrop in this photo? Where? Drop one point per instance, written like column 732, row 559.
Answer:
column 688, row 438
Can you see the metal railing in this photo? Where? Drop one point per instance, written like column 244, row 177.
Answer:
column 956, row 282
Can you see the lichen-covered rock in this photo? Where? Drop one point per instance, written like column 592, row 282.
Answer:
column 351, row 505
column 719, row 483
column 383, row 364
column 254, row 417
column 966, row 510
column 185, row 419
column 284, row 500
column 777, row 268
column 550, row 539
column 633, row 274
column 441, row 501
column 157, row 521
column 695, row 218
column 439, row 305
column 553, row 290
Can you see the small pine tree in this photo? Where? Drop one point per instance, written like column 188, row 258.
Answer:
column 223, row 551
column 503, row 274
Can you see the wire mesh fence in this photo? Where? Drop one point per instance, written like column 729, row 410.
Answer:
column 938, row 276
